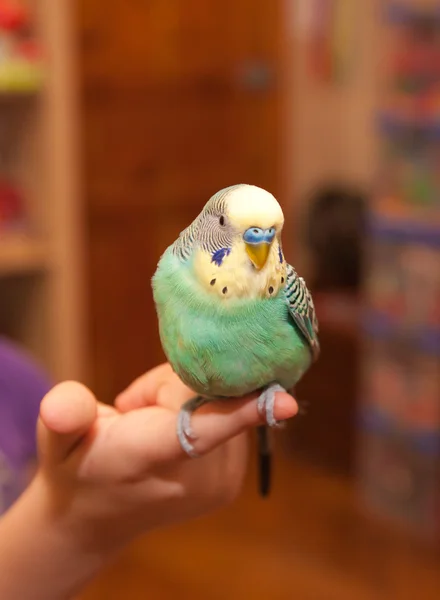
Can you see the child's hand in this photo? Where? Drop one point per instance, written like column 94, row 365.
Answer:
column 113, row 473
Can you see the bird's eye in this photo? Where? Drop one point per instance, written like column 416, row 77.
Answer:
column 222, row 220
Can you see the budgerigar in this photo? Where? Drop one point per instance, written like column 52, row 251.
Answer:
column 234, row 317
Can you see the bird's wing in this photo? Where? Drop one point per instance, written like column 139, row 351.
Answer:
column 301, row 308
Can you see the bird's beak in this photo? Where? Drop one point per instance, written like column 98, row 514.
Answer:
column 258, row 243
column 258, row 253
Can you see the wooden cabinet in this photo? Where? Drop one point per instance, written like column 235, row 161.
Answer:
column 179, row 99
column 326, row 434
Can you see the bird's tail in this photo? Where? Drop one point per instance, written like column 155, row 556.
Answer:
column 264, row 460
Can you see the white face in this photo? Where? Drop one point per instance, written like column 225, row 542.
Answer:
column 251, row 206
column 250, row 228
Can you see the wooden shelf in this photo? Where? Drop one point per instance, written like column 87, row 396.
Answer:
column 44, row 314
column 10, row 95
column 19, row 254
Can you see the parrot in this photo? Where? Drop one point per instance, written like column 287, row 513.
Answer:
column 234, row 317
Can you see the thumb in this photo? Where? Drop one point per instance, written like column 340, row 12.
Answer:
column 67, row 413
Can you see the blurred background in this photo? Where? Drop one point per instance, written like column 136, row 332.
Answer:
column 118, row 120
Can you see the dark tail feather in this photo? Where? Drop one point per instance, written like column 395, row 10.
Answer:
column 264, row 460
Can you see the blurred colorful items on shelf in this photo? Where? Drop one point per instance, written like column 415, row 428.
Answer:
column 21, row 67
column 400, row 483
column 399, row 403
column 331, row 38
column 402, row 288
column 400, row 391
column 412, row 77
column 12, row 211
column 408, row 183
column 399, row 435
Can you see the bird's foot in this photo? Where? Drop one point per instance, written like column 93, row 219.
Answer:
column 185, row 432
column 266, row 404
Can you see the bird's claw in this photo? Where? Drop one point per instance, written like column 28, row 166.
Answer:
column 185, row 432
column 186, row 435
column 266, row 405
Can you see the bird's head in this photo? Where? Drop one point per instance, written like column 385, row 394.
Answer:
column 239, row 238
column 255, row 219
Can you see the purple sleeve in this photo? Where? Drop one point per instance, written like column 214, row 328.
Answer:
column 22, row 387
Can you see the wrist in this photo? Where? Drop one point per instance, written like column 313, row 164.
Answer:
column 46, row 539
column 70, row 515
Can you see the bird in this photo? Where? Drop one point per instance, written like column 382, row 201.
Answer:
column 234, row 317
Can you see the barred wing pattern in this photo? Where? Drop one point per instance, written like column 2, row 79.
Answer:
column 301, row 309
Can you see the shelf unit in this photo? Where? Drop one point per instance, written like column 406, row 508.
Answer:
column 399, row 403
column 20, row 254
column 41, row 299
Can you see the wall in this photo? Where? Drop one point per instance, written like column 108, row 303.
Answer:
column 333, row 127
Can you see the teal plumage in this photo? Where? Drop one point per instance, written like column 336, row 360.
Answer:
column 226, row 350
column 234, row 317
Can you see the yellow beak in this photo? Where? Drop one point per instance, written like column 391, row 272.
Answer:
column 258, row 253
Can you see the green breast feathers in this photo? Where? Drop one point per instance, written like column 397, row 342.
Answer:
column 226, row 346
